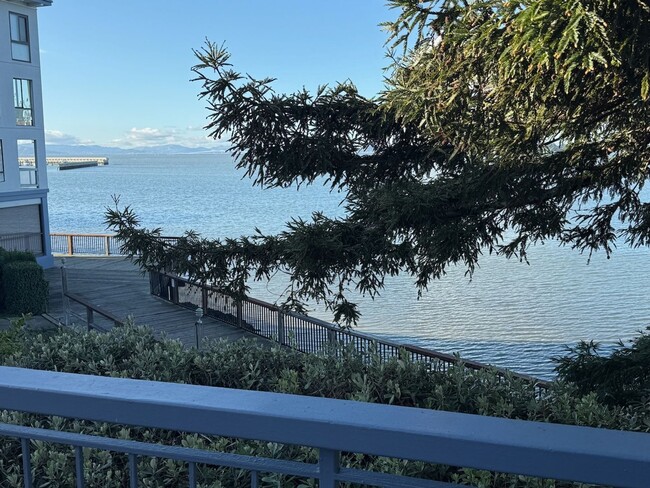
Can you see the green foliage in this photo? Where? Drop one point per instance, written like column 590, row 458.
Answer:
column 503, row 124
column 9, row 257
column 134, row 352
column 10, row 339
column 25, row 287
column 621, row 378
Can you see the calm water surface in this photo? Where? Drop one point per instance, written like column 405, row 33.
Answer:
column 510, row 314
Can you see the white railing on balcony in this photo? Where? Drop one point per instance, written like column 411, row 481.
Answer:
column 535, row 449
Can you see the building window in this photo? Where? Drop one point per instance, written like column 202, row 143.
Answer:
column 27, row 163
column 19, row 27
column 23, row 101
column 2, row 165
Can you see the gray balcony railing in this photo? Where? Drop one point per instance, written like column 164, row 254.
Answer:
column 29, row 241
column 543, row 450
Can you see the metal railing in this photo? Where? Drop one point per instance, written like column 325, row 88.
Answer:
column 30, row 241
column 68, row 244
column 543, row 450
column 301, row 332
column 91, row 310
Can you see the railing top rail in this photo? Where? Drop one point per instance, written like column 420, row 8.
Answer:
column 98, row 310
column 513, row 446
column 20, row 234
column 65, row 234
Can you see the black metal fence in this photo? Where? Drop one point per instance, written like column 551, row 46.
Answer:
column 301, row 332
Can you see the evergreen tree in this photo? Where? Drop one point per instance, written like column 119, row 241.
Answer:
column 503, row 124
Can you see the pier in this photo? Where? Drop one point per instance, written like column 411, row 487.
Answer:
column 109, row 290
column 116, row 285
column 63, row 163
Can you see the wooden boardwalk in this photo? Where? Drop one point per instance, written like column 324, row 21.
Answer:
column 116, row 285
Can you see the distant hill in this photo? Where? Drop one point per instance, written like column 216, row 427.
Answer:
column 94, row 150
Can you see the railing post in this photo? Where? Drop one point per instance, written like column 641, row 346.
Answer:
column 281, row 331
column 239, row 314
column 64, row 289
column 90, row 318
column 204, row 299
column 107, row 246
column 331, row 336
column 328, row 467
column 70, row 245
column 198, row 327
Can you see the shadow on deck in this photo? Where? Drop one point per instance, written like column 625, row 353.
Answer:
column 115, row 284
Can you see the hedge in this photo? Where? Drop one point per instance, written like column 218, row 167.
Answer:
column 25, row 288
column 9, row 257
column 135, row 352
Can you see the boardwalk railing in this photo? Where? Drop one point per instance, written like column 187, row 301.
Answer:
column 89, row 244
column 95, row 244
column 30, row 241
column 332, row 427
column 306, row 334
column 91, row 311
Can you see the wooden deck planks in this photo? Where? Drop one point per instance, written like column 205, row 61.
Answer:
column 117, row 285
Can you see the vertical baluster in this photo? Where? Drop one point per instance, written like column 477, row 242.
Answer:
column 328, row 467
column 133, row 471
column 27, row 463
column 192, row 475
column 79, row 466
column 254, row 479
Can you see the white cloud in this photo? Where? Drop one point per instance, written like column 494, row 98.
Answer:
column 58, row 137
column 150, row 136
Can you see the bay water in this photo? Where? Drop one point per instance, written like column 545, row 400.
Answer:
column 510, row 314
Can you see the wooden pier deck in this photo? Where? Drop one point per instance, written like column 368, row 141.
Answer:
column 116, row 285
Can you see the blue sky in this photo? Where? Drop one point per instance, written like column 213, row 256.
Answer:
column 117, row 72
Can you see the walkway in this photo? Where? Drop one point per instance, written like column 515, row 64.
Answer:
column 116, row 285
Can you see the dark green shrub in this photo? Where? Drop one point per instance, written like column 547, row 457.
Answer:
column 10, row 339
column 25, row 288
column 621, row 378
column 135, row 352
column 9, row 257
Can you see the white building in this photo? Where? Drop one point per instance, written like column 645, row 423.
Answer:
column 24, row 223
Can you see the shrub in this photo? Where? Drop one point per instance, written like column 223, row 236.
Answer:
column 621, row 378
column 10, row 339
column 10, row 257
column 25, row 288
column 136, row 353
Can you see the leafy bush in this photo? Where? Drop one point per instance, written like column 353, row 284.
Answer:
column 135, row 352
column 622, row 378
column 25, row 288
column 10, row 257
column 10, row 339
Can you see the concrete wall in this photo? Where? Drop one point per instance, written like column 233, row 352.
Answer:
column 12, row 194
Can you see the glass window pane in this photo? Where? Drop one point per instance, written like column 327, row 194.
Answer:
column 28, row 164
column 2, row 165
column 20, row 52
column 23, row 101
column 19, row 27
